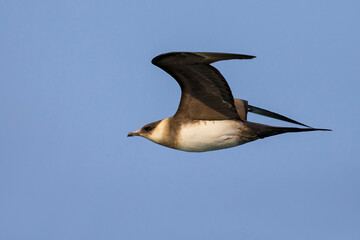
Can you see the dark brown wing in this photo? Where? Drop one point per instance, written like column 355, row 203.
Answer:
column 243, row 108
column 205, row 94
column 270, row 114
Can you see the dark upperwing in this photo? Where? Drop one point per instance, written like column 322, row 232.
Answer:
column 205, row 94
column 243, row 108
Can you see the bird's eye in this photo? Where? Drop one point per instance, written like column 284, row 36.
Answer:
column 147, row 128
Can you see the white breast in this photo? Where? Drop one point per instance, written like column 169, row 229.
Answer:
column 209, row 135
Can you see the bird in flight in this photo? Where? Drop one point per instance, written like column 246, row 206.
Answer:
column 208, row 117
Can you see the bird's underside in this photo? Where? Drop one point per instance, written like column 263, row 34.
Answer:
column 208, row 117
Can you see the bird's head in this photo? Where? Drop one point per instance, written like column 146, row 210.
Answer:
column 149, row 131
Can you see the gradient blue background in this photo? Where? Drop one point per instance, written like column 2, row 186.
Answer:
column 76, row 77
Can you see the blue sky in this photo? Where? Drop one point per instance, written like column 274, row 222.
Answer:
column 76, row 77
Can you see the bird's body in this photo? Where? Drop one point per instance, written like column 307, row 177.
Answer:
column 208, row 117
column 207, row 135
column 200, row 135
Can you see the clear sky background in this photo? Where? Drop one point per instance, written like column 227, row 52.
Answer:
column 76, row 77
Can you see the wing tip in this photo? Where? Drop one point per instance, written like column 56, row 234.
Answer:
column 322, row 129
column 218, row 56
column 198, row 57
column 250, row 56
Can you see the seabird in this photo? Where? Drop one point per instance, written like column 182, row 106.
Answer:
column 208, row 117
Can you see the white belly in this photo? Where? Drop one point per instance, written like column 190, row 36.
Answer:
column 209, row 135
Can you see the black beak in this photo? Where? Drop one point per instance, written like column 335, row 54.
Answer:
column 135, row 133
